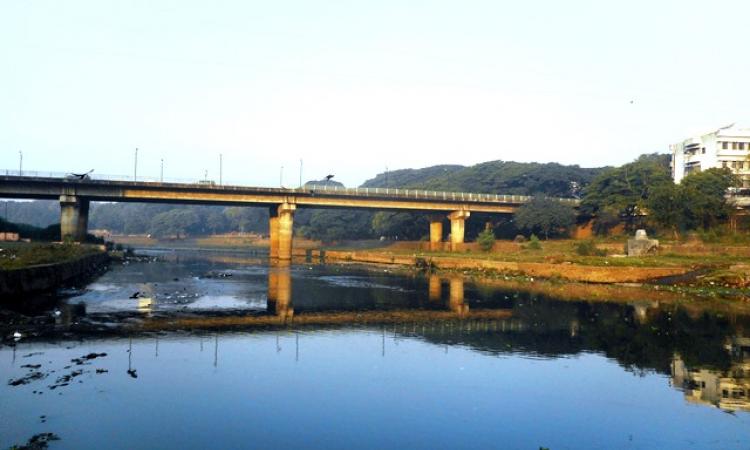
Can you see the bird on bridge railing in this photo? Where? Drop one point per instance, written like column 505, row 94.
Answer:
column 80, row 176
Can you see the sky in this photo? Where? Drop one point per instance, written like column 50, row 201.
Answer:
column 352, row 88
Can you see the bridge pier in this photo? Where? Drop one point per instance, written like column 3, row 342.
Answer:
column 74, row 218
column 436, row 233
column 457, row 219
column 280, row 224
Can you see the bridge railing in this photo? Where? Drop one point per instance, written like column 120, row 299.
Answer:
column 422, row 194
column 417, row 194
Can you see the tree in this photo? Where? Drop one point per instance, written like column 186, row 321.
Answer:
column 400, row 224
column 705, row 197
column 176, row 222
column 625, row 189
column 486, row 239
column 699, row 201
column 330, row 225
column 545, row 216
column 666, row 207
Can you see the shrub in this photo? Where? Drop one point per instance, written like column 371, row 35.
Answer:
column 589, row 248
column 534, row 243
column 486, row 239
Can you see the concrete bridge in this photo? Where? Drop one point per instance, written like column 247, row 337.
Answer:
column 75, row 194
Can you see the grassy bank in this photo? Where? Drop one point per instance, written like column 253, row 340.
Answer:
column 17, row 255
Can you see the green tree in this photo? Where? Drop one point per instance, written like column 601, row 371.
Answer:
column 545, row 216
column 176, row 222
column 486, row 239
column 626, row 189
column 699, row 201
column 704, row 196
column 402, row 225
column 666, row 207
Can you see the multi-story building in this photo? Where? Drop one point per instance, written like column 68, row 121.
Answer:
column 728, row 146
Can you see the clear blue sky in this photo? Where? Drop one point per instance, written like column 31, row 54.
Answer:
column 351, row 87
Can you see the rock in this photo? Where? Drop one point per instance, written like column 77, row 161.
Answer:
column 641, row 244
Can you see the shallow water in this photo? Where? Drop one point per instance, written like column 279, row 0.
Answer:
column 225, row 352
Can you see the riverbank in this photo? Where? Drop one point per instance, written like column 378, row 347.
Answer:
column 697, row 265
column 27, row 268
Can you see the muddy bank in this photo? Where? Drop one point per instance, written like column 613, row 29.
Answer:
column 563, row 271
column 46, row 277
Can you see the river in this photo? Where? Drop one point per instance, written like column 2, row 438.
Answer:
column 224, row 351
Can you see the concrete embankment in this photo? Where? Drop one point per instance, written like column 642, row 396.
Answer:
column 565, row 271
column 46, row 277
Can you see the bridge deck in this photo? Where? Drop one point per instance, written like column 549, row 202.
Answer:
column 12, row 186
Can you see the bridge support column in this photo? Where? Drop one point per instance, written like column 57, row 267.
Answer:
column 74, row 218
column 286, row 223
column 436, row 233
column 457, row 219
column 273, row 232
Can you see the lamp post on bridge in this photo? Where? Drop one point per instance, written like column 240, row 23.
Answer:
column 300, row 173
column 221, row 169
column 161, row 172
column 281, row 177
column 20, row 163
column 135, row 166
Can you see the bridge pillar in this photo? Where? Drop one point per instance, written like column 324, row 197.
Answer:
column 456, row 301
column 436, row 233
column 457, row 219
column 74, row 218
column 273, row 232
column 286, row 223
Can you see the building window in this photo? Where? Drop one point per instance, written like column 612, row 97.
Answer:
column 724, row 164
column 703, row 150
column 734, row 164
column 724, row 145
column 742, row 145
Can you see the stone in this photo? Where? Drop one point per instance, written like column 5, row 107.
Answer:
column 641, row 244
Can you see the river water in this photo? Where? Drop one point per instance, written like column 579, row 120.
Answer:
column 225, row 351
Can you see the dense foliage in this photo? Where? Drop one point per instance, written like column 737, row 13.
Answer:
column 622, row 192
column 698, row 202
column 545, row 216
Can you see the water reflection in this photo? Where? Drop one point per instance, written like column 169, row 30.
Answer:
column 702, row 350
column 727, row 389
column 280, row 291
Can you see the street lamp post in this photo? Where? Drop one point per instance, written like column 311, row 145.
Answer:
column 300, row 173
column 135, row 166
column 221, row 169
column 161, row 172
column 20, row 163
column 281, row 177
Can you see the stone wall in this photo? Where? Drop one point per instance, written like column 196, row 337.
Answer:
column 45, row 277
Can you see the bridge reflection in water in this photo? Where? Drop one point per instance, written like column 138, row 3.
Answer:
column 280, row 302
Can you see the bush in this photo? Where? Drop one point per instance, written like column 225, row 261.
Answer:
column 486, row 239
column 589, row 248
column 534, row 243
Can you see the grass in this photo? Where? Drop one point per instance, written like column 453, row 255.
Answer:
column 561, row 251
column 16, row 255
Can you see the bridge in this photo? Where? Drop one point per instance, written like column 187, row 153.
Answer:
column 75, row 194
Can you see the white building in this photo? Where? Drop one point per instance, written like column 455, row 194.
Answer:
column 726, row 147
